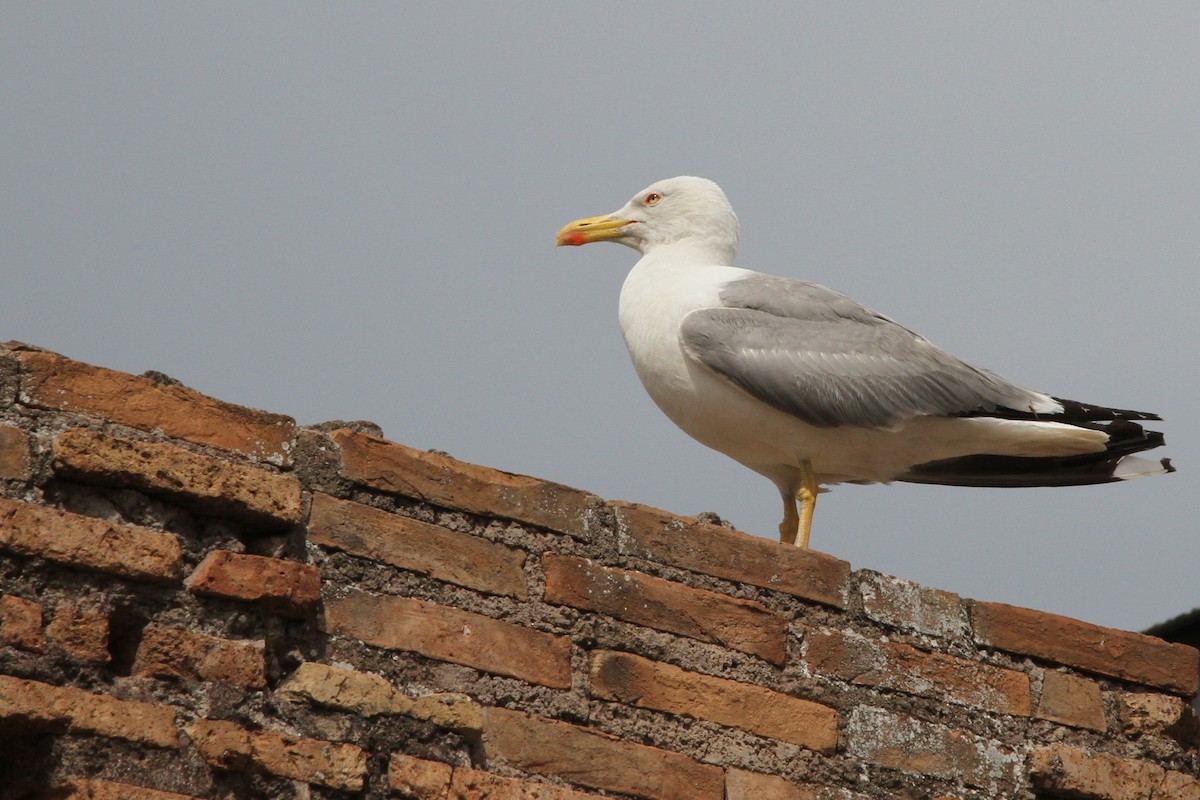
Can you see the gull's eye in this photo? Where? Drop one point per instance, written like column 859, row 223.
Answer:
column 652, row 199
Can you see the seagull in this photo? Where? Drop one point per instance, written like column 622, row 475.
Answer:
column 809, row 388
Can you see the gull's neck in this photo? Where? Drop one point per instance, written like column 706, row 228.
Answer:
column 697, row 250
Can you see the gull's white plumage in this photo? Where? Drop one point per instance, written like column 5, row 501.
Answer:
column 806, row 387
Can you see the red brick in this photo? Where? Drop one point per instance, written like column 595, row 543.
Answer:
column 450, row 634
column 82, row 632
column 21, row 623
column 232, row 747
column 912, row 745
column 641, row 682
column 684, row 542
column 85, row 789
column 666, row 606
column 1100, row 776
column 445, row 481
column 596, row 760
column 1106, row 651
column 40, row 706
column 14, row 454
column 743, row 785
column 89, row 543
column 1071, row 700
column 417, row 546
column 286, row 586
column 197, row 481
column 179, row 653
column 909, row 606
column 899, row 667
column 54, row 382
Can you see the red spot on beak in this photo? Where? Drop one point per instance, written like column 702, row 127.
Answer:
column 574, row 239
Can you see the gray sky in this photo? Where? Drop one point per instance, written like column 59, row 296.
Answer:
column 348, row 211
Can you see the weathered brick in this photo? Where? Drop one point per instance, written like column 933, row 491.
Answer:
column 909, row 606
column 1100, row 776
column 596, row 760
column 14, row 454
column 40, row 706
column 1071, row 700
column 891, row 665
column 417, row 546
column 206, row 484
column 54, row 382
column 1147, row 712
column 371, row 695
column 445, row 481
column 638, row 681
column 232, row 747
column 21, row 623
column 88, row 789
column 1159, row 714
column 450, row 634
column 684, row 542
column 180, row 653
column 474, row 784
column 288, row 587
column 1106, row 651
column 418, row 778
column 362, row 692
column 82, row 632
column 911, row 745
column 741, row 784
column 89, row 543
column 666, row 606
column 451, row 710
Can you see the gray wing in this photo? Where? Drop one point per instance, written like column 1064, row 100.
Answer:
column 822, row 357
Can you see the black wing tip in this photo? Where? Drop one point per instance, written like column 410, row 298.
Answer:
column 1075, row 410
column 1125, row 439
column 1073, row 413
column 1022, row 472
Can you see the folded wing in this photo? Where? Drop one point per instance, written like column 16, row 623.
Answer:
column 820, row 356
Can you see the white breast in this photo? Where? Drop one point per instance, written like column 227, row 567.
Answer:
column 658, row 293
column 655, row 298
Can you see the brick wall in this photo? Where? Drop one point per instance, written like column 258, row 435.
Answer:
column 202, row 600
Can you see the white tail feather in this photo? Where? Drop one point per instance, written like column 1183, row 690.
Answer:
column 1131, row 467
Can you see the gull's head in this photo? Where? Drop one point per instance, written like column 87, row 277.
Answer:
column 676, row 210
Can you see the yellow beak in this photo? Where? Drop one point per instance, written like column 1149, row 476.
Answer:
column 592, row 229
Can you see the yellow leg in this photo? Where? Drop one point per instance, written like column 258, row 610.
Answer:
column 796, row 526
column 808, row 502
column 791, row 520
